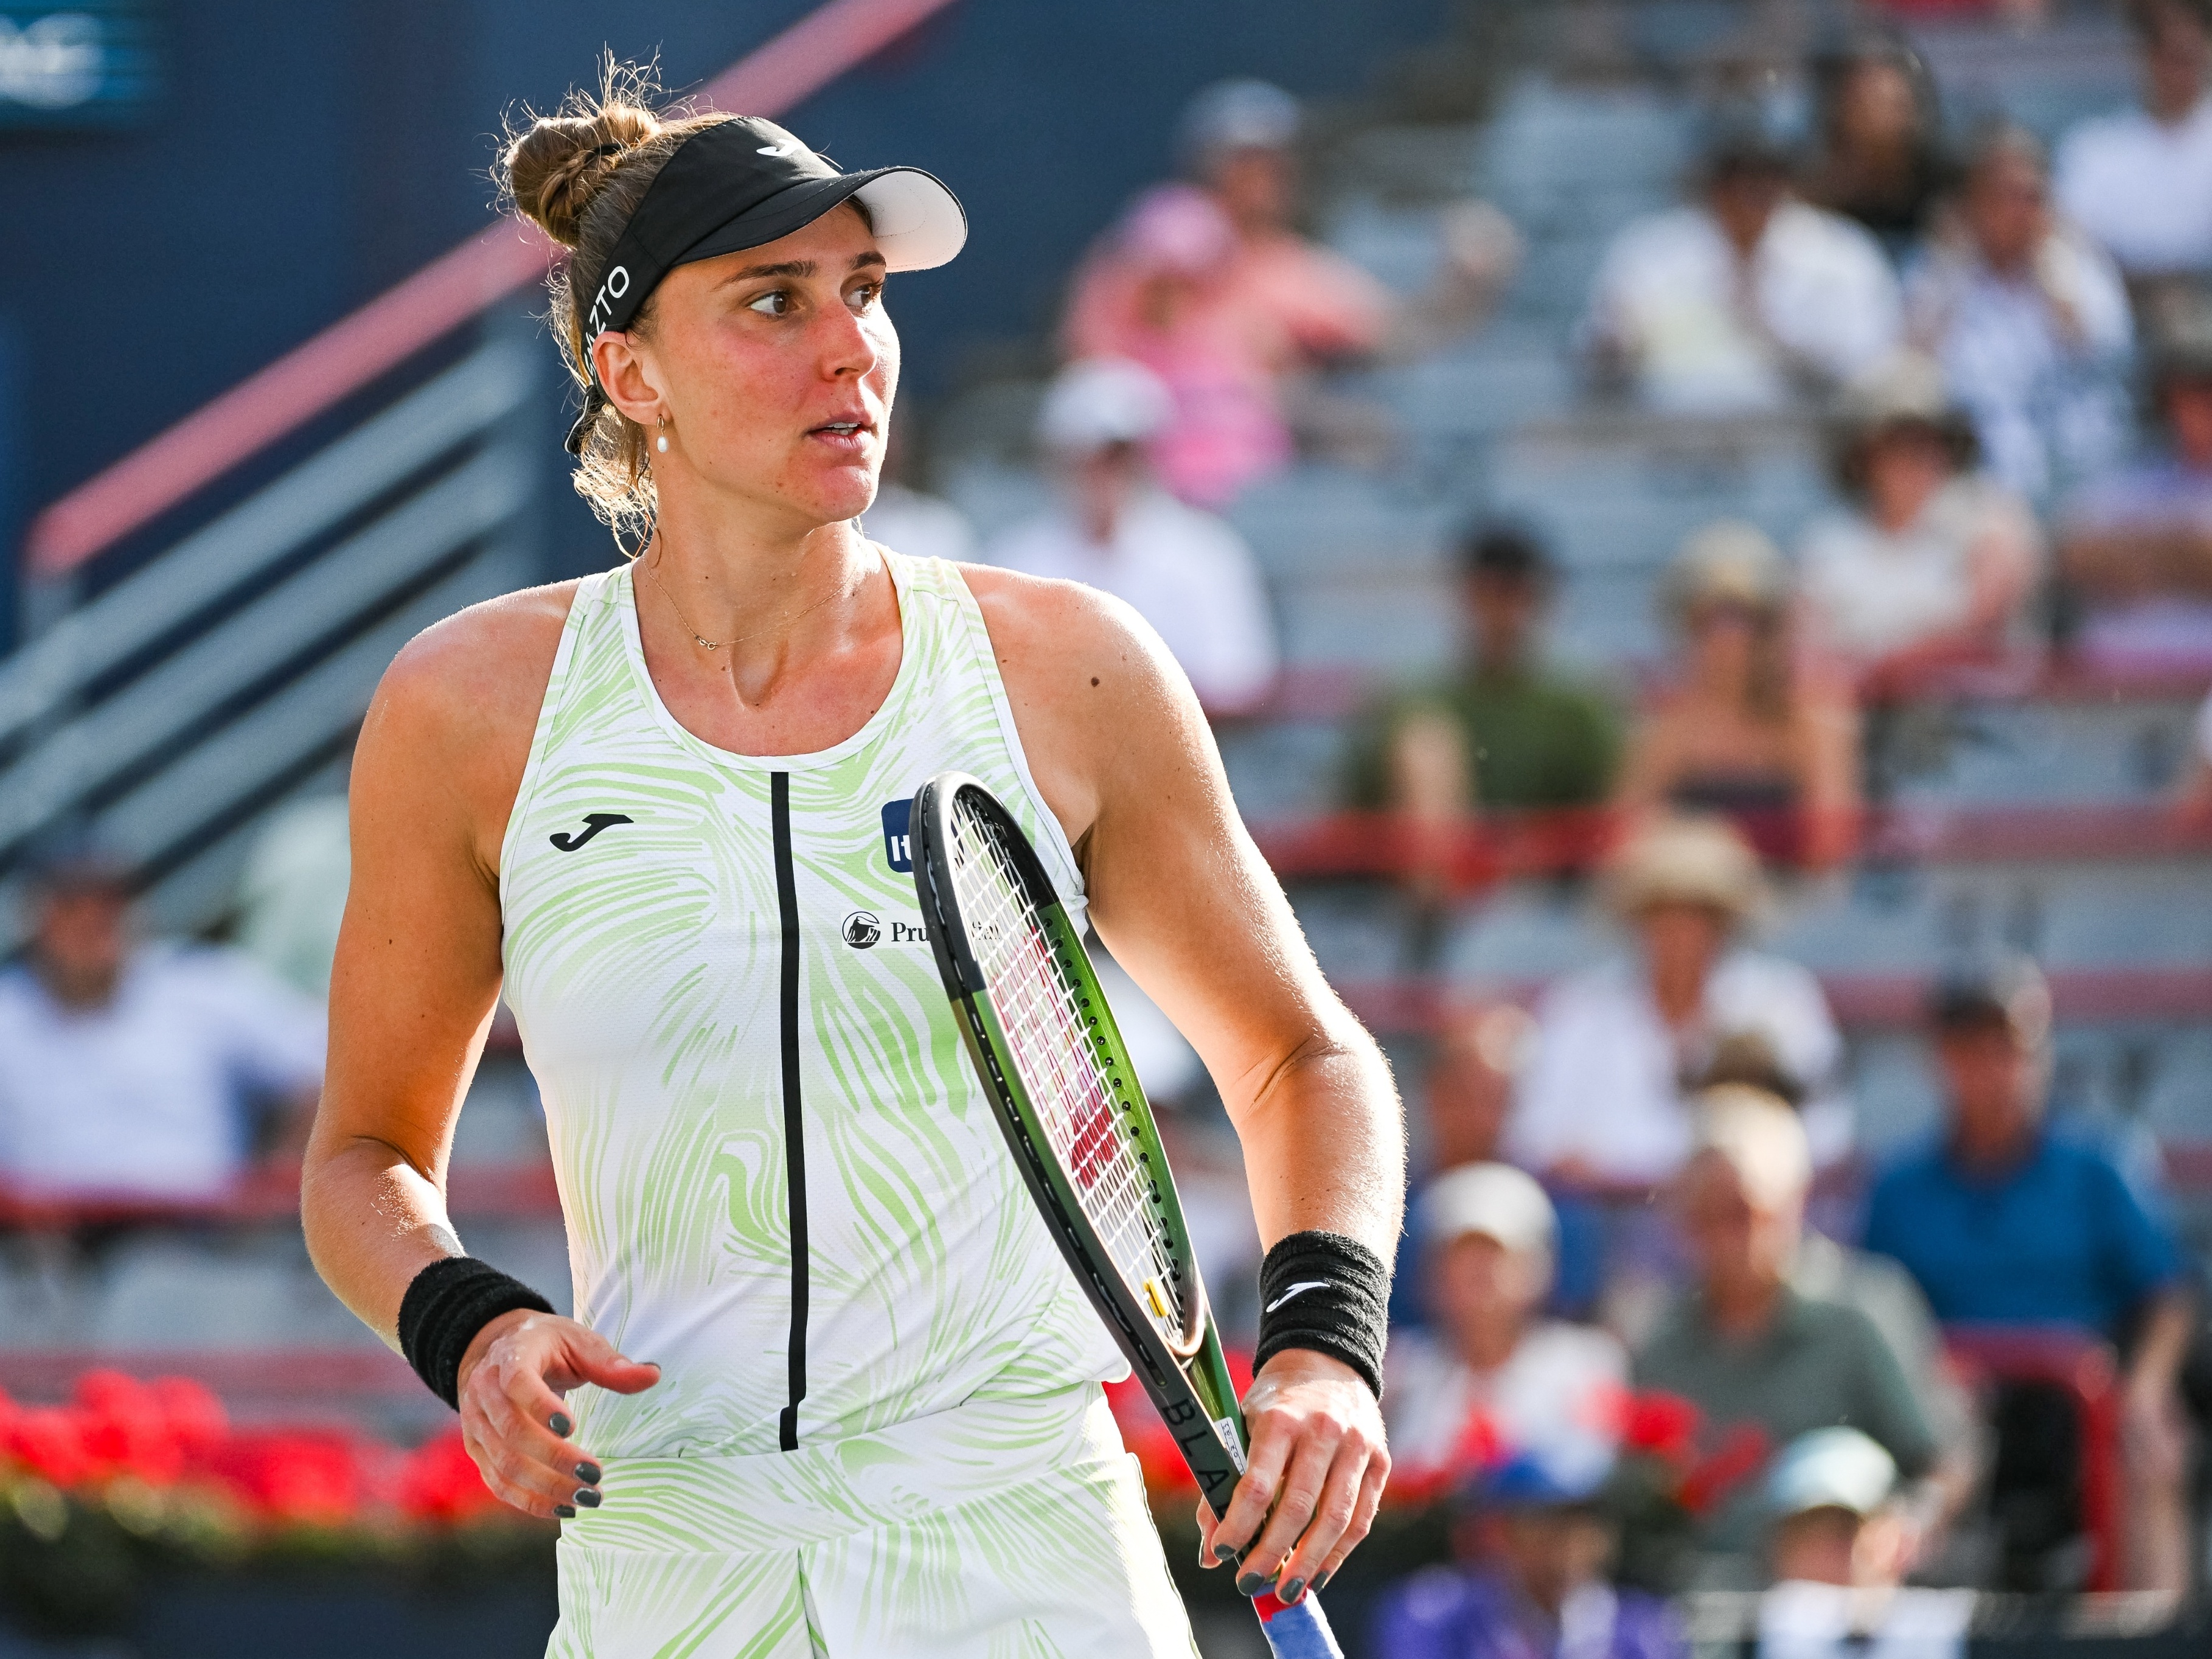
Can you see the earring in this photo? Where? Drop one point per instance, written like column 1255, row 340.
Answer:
column 661, row 442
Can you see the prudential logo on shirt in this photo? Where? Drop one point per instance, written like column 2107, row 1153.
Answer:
column 897, row 853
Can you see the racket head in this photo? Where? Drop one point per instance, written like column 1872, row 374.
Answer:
column 1043, row 1037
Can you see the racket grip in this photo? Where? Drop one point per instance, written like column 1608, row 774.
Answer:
column 1295, row 1630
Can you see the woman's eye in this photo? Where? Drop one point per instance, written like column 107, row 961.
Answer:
column 774, row 303
column 861, row 299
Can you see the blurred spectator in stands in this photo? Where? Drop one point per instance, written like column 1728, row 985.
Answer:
column 1838, row 1553
column 1618, row 1044
column 1762, row 1363
column 292, row 894
column 1208, row 284
column 2028, row 320
column 1744, row 299
column 1183, row 570
column 907, row 520
column 131, row 1072
column 1532, row 1547
column 1490, row 1380
column 1748, row 728
column 1935, row 565
column 2136, row 549
column 1508, row 732
column 1470, row 1083
column 2004, row 1220
column 2141, row 182
column 1879, row 137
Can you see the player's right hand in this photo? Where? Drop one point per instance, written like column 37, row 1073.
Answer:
column 514, row 1421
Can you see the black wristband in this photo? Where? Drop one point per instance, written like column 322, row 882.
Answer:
column 1328, row 1293
column 445, row 1307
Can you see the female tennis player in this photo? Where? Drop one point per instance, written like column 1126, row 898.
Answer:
column 830, row 1388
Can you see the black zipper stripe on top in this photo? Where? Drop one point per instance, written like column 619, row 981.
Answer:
column 794, row 1140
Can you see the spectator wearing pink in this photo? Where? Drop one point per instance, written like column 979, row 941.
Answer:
column 1207, row 284
column 1489, row 1380
column 2140, row 181
column 2028, row 320
column 1744, row 299
column 1183, row 569
column 1934, row 564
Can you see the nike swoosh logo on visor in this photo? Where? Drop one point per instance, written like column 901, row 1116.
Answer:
column 1294, row 1290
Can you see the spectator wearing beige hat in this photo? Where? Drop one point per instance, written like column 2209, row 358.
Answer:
column 1603, row 1100
column 1934, row 564
column 1747, row 727
column 1491, row 1380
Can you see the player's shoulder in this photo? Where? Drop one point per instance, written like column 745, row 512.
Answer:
column 488, row 664
column 1038, row 620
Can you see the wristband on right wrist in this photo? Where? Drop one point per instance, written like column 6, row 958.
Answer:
column 446, row 1305
column 1327, row 1293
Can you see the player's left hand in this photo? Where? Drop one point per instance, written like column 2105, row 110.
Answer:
column 1314, row 1477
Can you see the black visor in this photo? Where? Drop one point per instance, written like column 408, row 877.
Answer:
column 741, row 183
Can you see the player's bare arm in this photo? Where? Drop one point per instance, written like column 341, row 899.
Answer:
column 1183, row 899
column 412, row 991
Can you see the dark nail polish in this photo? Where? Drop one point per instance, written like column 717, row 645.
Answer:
column 1250, row 1584
column 1224, row 1554
column 559, row 1423
column 588, row 1474
column 1320, row 1583
column 567, row 1512
column 1291, row 1591
column 587, row 1496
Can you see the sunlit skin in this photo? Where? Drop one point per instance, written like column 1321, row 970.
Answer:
column 773, row 370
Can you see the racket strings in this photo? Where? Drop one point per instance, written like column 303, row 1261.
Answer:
column 1040, row 1005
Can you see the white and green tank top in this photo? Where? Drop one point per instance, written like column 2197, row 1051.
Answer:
column 783, row 1182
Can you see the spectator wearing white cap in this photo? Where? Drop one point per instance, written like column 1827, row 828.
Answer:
column 1603, row 1100
column 1207, row 282
column 1183, row 570
column 1491, row 1380
column 1837, row 1552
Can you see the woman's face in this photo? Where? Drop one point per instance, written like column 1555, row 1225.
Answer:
column 775, row 367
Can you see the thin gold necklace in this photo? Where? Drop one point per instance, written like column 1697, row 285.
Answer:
column 700, row 640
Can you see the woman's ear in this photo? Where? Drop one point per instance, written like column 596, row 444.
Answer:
column 626, row 374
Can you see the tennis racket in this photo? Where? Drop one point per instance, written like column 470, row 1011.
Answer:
column 1052, row 1061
